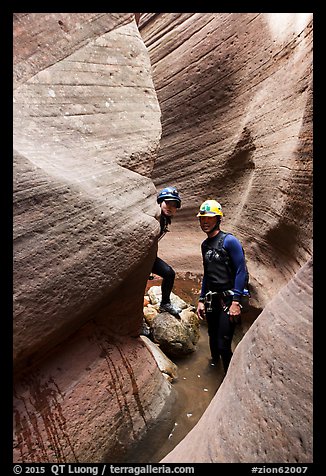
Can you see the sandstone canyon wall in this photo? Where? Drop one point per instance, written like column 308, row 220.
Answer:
column 235, row 90
column 262, row 413
column 86, row 130
column 233, row 93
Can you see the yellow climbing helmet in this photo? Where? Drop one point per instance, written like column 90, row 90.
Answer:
column 210, row 208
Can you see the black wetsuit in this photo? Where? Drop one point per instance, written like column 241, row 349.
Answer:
column 217, row 279
column 161, row 268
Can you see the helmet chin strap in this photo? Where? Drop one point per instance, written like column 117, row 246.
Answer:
column 217, row 224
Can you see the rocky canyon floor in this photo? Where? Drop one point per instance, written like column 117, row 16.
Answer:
column 196, row 384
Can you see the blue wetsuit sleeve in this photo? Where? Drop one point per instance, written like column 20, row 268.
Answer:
column 234, row 248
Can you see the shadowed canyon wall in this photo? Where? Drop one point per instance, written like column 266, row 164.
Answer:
column 219, row 105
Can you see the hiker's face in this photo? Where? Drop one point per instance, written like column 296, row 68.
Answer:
column 169, row 207
column 207, row 223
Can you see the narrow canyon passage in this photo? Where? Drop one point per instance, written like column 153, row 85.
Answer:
column 107, row 111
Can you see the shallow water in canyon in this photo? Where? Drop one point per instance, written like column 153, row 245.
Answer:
column 196, row 385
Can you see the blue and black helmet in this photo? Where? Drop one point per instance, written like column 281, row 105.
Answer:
column 169, row 193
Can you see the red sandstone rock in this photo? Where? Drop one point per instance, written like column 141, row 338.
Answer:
column 263, row 410
column 86, row 129
column 89, row 401
column 235, row 92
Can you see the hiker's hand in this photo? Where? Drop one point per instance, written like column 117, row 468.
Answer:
column 234, row 310
column 201, row 311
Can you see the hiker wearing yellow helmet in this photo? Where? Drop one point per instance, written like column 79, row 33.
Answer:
column 223, row 282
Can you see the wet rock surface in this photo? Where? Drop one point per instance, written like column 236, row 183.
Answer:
column 195, row 382
column 195, row 385
column 166, row 366
column 267, row 389
column 176, row 336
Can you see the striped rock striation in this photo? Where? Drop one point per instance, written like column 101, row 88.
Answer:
column 218, row 104
column 235, row 91
column 86, row 130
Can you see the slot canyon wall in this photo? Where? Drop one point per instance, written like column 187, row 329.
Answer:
column 219, row 105
column 86, row 130
column 235, row 92
column 262, row 412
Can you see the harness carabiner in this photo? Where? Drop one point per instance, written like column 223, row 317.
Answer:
column 208, row 300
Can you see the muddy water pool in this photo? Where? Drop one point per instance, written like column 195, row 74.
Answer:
column 196, row 384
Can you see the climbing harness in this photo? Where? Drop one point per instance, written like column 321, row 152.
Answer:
column 208, row 299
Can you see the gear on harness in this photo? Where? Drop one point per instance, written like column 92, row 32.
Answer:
column 223, row 255
column 226, row 308
column 209, row 300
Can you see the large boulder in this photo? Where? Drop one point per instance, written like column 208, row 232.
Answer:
column 82, row 196
column 176, row 337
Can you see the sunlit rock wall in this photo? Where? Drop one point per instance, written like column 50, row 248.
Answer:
column 262, row 413
column 235, row 90
column 86, row 131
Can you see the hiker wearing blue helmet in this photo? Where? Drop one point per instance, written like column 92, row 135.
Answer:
column 169, row 201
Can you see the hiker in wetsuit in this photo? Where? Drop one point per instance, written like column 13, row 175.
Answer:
column 221, row 290
column 169, row 201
